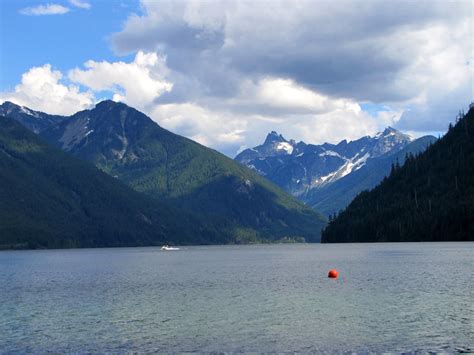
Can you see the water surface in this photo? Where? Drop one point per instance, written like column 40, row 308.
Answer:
column 389, row 297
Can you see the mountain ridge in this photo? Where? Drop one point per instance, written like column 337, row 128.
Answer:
column 49, row 199
column 128, row 145
column 308, row 170
column 35, row 121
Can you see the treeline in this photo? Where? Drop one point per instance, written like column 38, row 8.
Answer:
column 429, row 198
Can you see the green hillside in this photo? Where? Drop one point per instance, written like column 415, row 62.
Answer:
column 429, row 198
column 49, row 199
column 128, row 145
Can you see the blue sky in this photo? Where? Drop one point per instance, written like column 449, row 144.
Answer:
column 64, row 41
column 225, row 73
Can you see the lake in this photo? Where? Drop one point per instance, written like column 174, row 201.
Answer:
column 389, row 297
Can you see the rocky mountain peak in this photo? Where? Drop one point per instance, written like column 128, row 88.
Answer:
column 390, row 130
column 35, row 121
column 108, row 104
column 8, row 105
column 393, row 132
column 273, row 137
column 307, row 170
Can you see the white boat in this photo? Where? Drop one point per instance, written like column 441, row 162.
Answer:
column 168, row 248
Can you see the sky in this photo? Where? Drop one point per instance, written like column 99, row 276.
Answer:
column 225, row 73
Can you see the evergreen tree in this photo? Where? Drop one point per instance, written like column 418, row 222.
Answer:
column 429, row 198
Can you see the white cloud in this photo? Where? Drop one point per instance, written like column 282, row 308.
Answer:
column 285, row 93
column 344, row 120
column 80, row 4
column 303, row 56
column 228, row 128
column 226, row 124
column 41, row 89
column 219, row 130
column 284, row 96
column 49, row 9
column 137, row 83
column 225, row 73
column 372, row 48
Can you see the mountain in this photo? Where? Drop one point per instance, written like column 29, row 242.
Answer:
column 129, row 146
column 33, row 120
column 49, row 199
column 429, row 198
column 331, row 198
column 328, row 176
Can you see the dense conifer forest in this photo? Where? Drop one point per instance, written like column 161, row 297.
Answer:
column 429, row 198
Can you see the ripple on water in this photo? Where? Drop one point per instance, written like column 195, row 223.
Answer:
column 389, row 297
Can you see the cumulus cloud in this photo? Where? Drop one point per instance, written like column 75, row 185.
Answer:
column 49, row 9
column 227, row 124
column 80, row 4
column 280, row 97
column 226, row 72
column 356, row 49
column 447, row 78
column 41, row 88
column 304, row 57
column 217, row 129
column 230, row 126
column 344, row 119
column 137, row 83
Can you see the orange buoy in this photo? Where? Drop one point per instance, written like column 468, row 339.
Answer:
column 333, row 274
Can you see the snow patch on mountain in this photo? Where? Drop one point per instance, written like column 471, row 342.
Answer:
column 352, row 165
column 280, row 160
column 348, row 167
column 285, row 146
column 329, row 153
column 27, row 111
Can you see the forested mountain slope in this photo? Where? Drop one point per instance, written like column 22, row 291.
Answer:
column 49, row 199
column 128, row 145
column 332, row 198
column 429, row 198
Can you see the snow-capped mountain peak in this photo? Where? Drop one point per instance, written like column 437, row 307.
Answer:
column 302, row 169
column 390, row 131
column 389, row 141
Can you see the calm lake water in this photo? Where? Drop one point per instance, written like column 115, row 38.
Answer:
column 389, row 297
